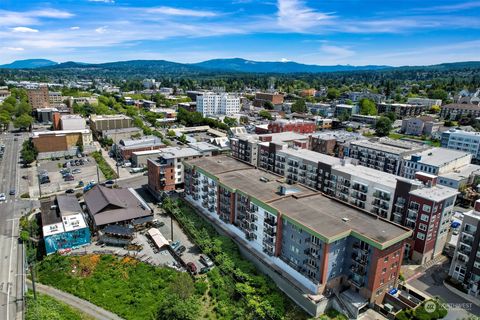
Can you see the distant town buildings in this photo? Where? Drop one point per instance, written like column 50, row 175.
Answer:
column 402, row 110
column 425, row 102
column 263, row 97
column 454, row 111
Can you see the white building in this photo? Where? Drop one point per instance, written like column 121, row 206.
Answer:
column 463, row 141
column 72, row 122
column 425, row 101
column 214, row 104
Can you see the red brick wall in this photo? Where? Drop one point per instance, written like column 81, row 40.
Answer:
column 300, row 127
column 50, row 143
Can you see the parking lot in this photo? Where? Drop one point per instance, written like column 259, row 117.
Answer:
column 86, row 173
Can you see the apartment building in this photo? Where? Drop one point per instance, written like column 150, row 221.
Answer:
column 55, row 98
column 166, row 171
column 383, row 154
column 454, row 111
column 298, row 126
column 426, row 208
column 425, row 102
column 463, row 141
column 435, row 161
column 465, row 266
column 4, row 93
column 402, row 110
column 38, row 97
column 246, row 147
column 311, row 241
column 333, row 143
column 421, row 126
column 99, row 123
column 210, row 104
column 346, row 110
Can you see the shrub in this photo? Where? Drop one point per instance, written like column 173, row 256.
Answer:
column 25, row 195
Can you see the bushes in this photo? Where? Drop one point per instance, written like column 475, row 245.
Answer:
column 236, row 285
column 107, row 171
column 25, row 195
column 420, row 313
column 47, row 308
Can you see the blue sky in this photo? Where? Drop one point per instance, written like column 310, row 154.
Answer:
column 358, row 32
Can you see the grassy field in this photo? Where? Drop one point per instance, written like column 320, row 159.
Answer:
column 48, row 308
column 397, row 136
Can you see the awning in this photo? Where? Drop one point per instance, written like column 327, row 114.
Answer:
column 142, row 220
column 157, row 237
column 118, row 230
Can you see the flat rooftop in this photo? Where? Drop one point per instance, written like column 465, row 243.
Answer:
column 440, row 156
column 326, row 217
column 311, row 156
column 95, row 117
column 435, row 193
column 177, row 152
column 304, row 205
column 462, row 172
column 389, row 145
column 369, row 174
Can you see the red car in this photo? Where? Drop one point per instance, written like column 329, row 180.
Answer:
column 192, row 268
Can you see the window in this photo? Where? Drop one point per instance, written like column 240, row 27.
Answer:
column 424, row 217
column 421, row 236
column 422, row 227
column 386, row 259
column 384, row 270
column 426, row 208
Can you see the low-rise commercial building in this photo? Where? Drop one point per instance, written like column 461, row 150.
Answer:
column 262, row 97
column 61, row 140
column 107, row 206
column 125, row 148
column 314, row 242
column 63, row 224
column 100, row 123
column 298, row 126
column 122, row 134
column 72, row 122
column 462, row 141
column 465, row 266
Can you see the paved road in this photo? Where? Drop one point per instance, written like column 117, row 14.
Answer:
column 11, row 267
column 431, row 282
column 83, row 305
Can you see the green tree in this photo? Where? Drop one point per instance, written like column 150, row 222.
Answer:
column 368, row 107
column 383, row 127
column 23, row 108
column 182, row 139
column 333, row 93
column 24, row 121
column 435, row 109
column 391, row 115
column 4, row 120
column 231, row 122
column 438, row 94
column 299, row 106
column 268, row 105
column 265, row 114
column 29, row 152
column 171, row 133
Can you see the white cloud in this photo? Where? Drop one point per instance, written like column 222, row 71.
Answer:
column 74, row 28
column 337, row 51
column 452, row 7
column 24, row 30
column 13, row 48
column 50, row 13
column 297, row 16
column 101, row 30
column 285, row 60
column 182, row 12
column 104, row 1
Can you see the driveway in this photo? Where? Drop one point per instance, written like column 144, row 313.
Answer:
column 431, row 283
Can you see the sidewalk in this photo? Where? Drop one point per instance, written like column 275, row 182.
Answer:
column 123, row 172
column 75, row 302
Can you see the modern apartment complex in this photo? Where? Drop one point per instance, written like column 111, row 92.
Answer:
column 425, row 101
column 402, row 110
column 465, row 266
column 454, row 111
column 383, row 154
column 462, row 141
column 314, row 242
column 210, row 104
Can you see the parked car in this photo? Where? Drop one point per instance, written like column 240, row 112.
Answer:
column 69, row 178
column 12, row 192
column 2, row 197
column 206, row 261
column 180, row 250
column 157, row 223
column 174, row 245
column 204, row 270
column 109, row 183
column 44, row 180
column 76, row 171
column 69, row 191
column 192, row 268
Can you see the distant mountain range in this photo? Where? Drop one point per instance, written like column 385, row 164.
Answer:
column 29, row 64
column 216, row 65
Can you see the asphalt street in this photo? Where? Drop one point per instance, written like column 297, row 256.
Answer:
column 11, row 254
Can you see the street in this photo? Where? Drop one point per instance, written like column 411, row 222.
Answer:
column 11, row 255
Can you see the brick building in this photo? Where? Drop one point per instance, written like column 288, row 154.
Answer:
column 298, row 126
column 261, row 98
column 61, row 140
column 38, row 97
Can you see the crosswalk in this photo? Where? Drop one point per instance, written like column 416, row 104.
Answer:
column 9, row 201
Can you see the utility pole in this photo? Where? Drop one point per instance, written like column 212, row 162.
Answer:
column 171, row 226
column 98, row 175
column 39, row 186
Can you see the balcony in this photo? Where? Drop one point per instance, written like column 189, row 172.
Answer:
column 270, row 221
column 465, row 250
column 272, row 232
column 311, row 253
column 462, row 258
column 467, row 240
column 469, row 231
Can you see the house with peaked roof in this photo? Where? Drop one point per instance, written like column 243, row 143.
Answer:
column 107, row 206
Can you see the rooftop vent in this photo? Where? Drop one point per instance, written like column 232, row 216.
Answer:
column 264, row 179
column 345, row 219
